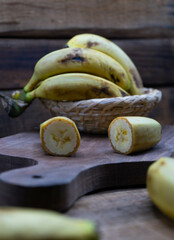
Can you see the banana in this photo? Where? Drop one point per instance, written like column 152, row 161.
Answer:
column 59, row 136
column 73, row 87
column 78, row 60
column 106, row 46
column 160, row 185
column 30, row 224
column 133, row 134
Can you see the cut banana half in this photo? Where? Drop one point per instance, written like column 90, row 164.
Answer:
column 59, row 136
column 133, row 134
column 160, row 185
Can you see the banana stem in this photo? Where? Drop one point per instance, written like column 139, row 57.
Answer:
column 29, row 96
column 14, row 108
column 19, row 95
column 26, row 97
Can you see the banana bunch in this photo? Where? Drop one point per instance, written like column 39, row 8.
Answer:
column 90, row 67
column 103, row 45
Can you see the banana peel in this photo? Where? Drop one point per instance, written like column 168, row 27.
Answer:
column 160, row 185
column 133, row 134
column 38, row 224
column 101, row 44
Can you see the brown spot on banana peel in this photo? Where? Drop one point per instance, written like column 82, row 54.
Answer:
column 90, row 44
column 72, row 57
column 105, row 90
column 98, row 91
column 123, row 93
column 76, row 56
column 162, row 163
column 115, row 80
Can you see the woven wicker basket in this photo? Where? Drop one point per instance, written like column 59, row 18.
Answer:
column 95, row 115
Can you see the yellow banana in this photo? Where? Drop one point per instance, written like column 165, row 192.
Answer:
column 78, row 60
column 160, row 185
column 75, row 86
column 106, row 46
column 133, row 134
column 30, row 224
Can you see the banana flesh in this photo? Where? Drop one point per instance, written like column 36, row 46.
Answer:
column 133, row 134
column 30, row 224
column 160, row 185
column 93, row 41
column 73, row 87
column 71, row 60
column 59, row 136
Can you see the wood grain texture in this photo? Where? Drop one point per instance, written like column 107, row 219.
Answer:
column 57, row 182
column 153, row 58
column 59, row 18
column 124, row 215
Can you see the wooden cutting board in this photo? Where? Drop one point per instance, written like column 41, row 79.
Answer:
column 31, row 178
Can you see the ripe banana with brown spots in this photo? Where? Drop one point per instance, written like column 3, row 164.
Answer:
column 106, row 46
column 69, row 60
column 73, row 87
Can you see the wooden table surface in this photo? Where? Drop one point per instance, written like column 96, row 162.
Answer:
column 126, row 214
column 120, row 213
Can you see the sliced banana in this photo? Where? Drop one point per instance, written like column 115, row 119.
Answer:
column 133, row 134
column 59, row 136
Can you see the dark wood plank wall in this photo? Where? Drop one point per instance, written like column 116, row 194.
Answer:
column 112, row 18
column 30, row 29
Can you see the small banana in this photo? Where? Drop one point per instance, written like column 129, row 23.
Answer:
column 59, row 136
column 73, row 87
column 160, row 185
column 70, row 60
column 30, row 224
column 133, row 134
column 106, row 46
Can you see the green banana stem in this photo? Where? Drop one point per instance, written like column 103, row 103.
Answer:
column 19, row 95
column 15, row 95
column 26, row 97
column 14, row 108
column 29, row 96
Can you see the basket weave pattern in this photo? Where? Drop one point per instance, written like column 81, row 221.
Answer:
column 95, row 115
